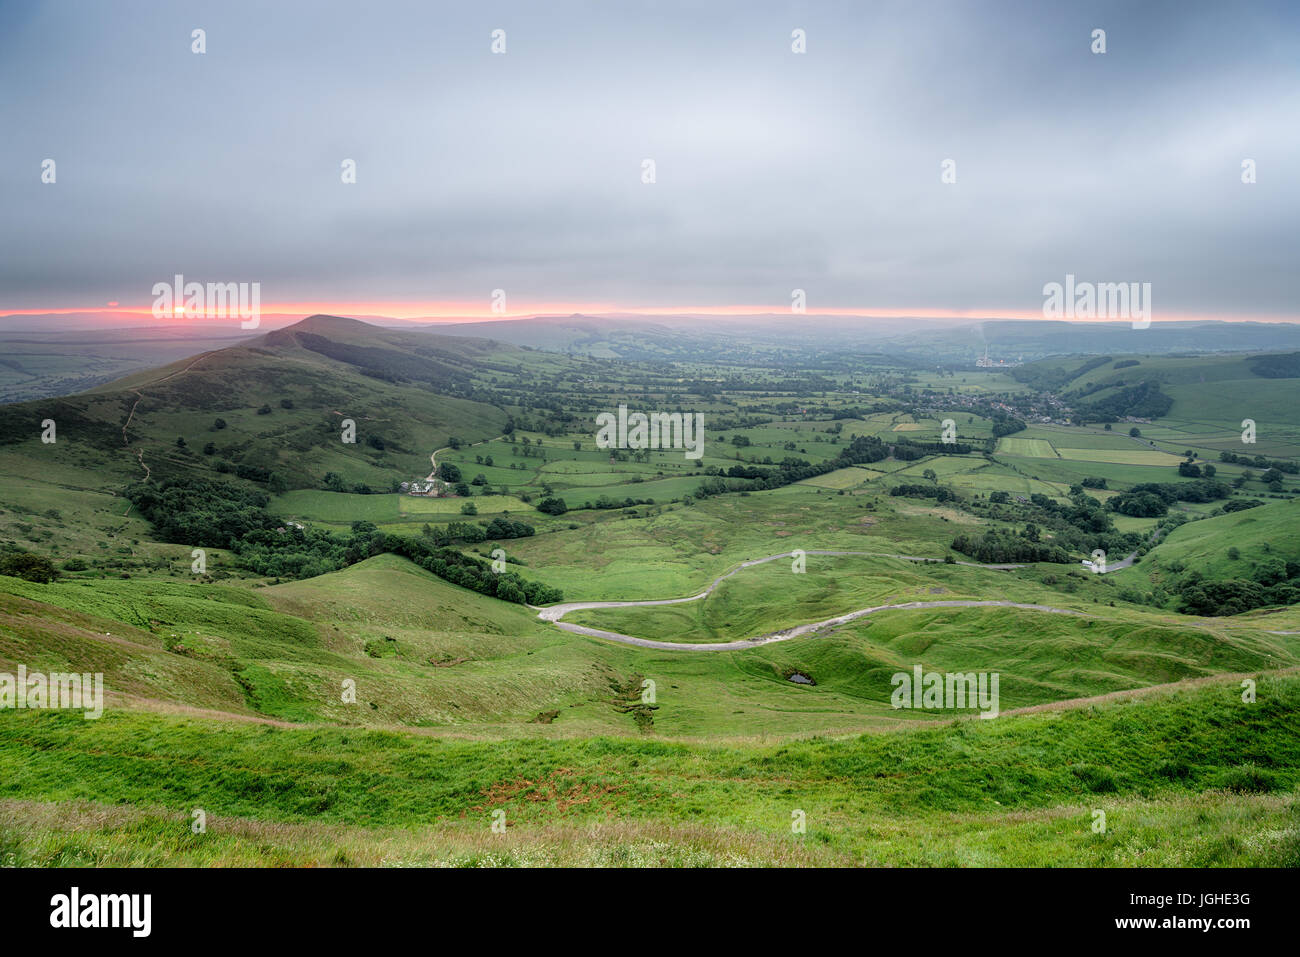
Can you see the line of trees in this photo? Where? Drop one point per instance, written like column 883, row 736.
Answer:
column 1260, row 462
column 937, row 492
column 472, row 573
column 495, row 530
column 1002, row 545
column 32, row 568
column 219, row 515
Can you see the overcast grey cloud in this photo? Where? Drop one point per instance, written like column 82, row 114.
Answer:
column 774, row 170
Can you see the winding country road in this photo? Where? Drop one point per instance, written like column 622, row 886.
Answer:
column 554, row 613
column 433, row 457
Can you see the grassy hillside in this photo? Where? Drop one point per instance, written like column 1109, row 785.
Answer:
column 1190, row 777
column 420, row 651
column 1223, row 546
column 283, row 398
column 1211, row 394
column 426, row 654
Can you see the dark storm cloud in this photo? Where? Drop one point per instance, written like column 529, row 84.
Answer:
column 775, row 170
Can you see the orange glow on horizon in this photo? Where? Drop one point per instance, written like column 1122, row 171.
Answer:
column 480, row 311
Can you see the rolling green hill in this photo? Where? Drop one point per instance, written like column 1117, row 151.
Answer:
column 420, row 651
column 283, row 398
column 1223, row 546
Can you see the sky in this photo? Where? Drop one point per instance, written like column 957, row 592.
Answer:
column 523, row 171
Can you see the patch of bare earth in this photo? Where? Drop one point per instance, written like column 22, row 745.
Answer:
column 552, row 789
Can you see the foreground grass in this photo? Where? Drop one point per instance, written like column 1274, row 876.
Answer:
column 1194, row 776
column 1215, row 828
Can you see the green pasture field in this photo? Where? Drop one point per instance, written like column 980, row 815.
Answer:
column 675, row 551
column 943, row 466
column 422, row 507
column 1069, row 472
column 338, row 507
column 840, row 478
column 1029, row 448
column 1121, row 456
column 1077, row 437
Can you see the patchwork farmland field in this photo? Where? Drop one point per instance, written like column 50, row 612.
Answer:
column 1032, row 448
column 1120, row 456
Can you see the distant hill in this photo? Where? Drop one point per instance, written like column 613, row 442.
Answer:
column 1215, row 390
column 282, row 397
column 768, row 338
column 1047, row 338
column 1277, row 366
column 58, row 360
column 759, row 339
